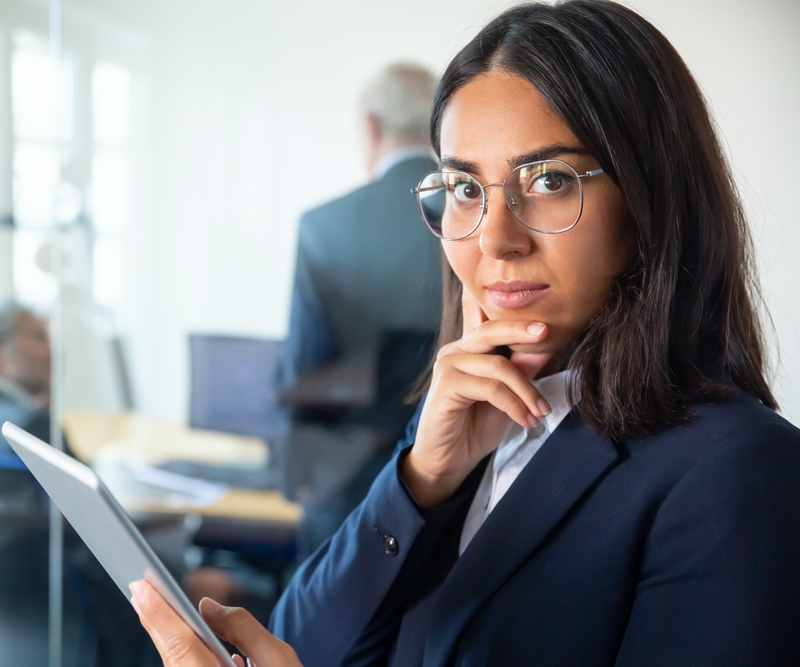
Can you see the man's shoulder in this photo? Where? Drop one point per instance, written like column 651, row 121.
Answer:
column 34, row 420
column 336, row 209
column 395, row 185
column 13, row 411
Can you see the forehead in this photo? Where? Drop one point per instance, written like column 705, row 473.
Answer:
column 496, row 117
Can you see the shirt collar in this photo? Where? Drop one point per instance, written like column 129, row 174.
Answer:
column 399, row 155
column 554, row 390
column 16, row 393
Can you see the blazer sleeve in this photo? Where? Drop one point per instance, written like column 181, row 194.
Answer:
column 721, row 568
column 343, row 605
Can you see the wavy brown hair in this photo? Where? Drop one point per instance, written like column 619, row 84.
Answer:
column 679, row 326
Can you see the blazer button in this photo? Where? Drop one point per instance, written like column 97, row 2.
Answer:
column 390, row 545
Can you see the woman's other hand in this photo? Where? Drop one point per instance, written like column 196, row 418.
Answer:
column 473, row 398
column 180, row 646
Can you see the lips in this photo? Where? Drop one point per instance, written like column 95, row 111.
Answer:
column 515, row 294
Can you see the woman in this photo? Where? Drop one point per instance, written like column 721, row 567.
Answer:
column 638, row 503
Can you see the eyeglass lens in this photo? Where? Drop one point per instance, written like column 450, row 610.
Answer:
column 544, row 196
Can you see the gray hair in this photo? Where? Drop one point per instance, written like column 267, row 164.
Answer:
column 401, row 98
column 10, row 313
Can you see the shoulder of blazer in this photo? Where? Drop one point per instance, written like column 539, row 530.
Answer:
column 739, row 422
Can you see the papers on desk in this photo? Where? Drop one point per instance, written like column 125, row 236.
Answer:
column 197, row 492
column 134, row 482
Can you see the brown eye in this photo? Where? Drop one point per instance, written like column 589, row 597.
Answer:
column 467, row 191
column 551, row 183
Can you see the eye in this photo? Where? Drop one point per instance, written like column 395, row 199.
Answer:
column 551, row 183
column 466, row 190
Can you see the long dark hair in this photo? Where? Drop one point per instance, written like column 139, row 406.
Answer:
column 679, row 325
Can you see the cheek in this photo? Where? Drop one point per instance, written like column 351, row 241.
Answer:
column 464, row 257
column 589, row 263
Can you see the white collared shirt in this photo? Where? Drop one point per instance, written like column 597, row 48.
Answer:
column 513, row 455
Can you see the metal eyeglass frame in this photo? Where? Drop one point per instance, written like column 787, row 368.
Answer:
column 484, row 203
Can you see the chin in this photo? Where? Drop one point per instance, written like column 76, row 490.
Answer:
column 546, row 347
column 527, row 314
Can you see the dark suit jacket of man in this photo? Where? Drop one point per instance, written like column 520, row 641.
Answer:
column 20, row 493
column 366, row 264
column 680, row 548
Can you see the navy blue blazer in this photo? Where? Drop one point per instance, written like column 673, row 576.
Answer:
column 679, row 548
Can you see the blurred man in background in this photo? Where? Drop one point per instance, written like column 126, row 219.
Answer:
column 368, row 279
column 100, row 627
column 24, row 370
column 365, row 261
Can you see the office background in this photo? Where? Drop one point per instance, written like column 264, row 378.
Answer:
column 180, row 140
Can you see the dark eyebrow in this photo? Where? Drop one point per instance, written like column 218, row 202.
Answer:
column 545, row 153
column 455, row 164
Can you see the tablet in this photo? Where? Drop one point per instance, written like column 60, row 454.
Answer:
column 105, row 527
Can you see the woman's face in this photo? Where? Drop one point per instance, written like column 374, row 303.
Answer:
column 512, row 271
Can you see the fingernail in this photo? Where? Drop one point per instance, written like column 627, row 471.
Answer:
column 136, row 607
column 135, row 588
column 544, row 406
column 209, row 604
column 536, row 329
column 532, row 420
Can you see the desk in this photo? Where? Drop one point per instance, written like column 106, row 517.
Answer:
column 155, row 440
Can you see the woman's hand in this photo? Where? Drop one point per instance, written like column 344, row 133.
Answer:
column 179, row 645
column 473, row 398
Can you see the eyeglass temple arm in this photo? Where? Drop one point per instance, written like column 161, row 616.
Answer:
column 589, row 174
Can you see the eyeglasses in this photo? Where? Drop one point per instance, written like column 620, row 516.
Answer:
column 545, row 196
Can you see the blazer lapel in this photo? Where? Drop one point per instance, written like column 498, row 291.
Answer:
column 560, row 473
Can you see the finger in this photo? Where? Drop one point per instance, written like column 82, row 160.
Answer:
column 505, row 371
column 472, row 314
column 236, row 626
column 493, row 333
column 176, row 642
column 471, row 389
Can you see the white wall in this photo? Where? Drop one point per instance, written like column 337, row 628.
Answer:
column 236, row 99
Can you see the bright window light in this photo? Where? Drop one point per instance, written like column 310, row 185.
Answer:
column 110, row 190
column 41, row 92
column 32, row 283
column 36, row 169
column 111, row 104
column 108, row 270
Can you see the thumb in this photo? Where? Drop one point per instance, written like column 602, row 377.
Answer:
column 237, row 626
column 176, row 642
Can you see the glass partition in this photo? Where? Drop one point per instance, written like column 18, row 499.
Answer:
column 155, row 159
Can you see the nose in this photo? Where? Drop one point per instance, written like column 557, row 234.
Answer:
column 502, row 236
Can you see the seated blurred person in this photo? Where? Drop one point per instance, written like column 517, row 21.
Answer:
column 24, row 370
column 367, row 269
column 100, row 627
